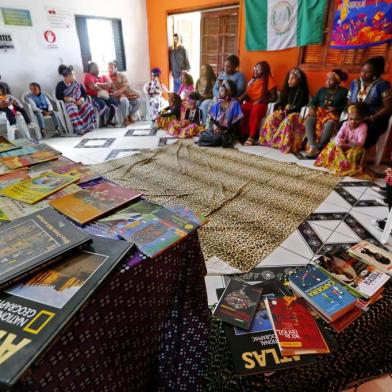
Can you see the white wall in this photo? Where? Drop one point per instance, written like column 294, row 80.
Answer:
column 31, row 61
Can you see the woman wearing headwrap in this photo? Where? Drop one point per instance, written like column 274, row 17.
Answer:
column 324, row 112
column 154, row 89
column 225, row 118
column 376, row 94
column 283, row 129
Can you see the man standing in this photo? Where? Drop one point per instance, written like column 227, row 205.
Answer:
column 178, row 61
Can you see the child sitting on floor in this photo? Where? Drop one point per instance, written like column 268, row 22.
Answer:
column 42, row 106
column 190, row 126
column 344, row 155
column 170, row 113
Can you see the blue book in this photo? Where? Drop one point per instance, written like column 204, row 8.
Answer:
column 325, row 294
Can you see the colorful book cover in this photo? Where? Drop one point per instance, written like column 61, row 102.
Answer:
column 40, row 168
column 28, row 160
column 327, row 295
column 295, row 328
column 256, row 350
column 28, row 244
column 238, row 304
column 373, row 255
column 362, row 279
column 36, row 189
column 6, row 145
column 25, row 147
column 87, row 205
column 51, row 297
column 13, row 178
column 14, row 209
column 86, row 174
column 68, row 190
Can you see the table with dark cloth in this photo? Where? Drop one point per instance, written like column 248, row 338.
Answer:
column 363, row 351
column 144, row 329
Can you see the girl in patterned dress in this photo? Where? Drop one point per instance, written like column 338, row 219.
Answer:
column 344, row 155
column 170, row 113
column 155, row 89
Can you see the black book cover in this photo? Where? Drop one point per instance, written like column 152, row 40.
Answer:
column 31, row 242
column 256, row 350
column 238, row 304
column 33, row 312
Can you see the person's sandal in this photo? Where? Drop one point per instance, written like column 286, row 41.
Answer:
column 250, row 142
column 312, row 153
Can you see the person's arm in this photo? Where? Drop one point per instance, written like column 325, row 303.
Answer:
column 341, row 135
column 340, row 101
column 60, row 91
column 362, row 134
column 215, row 89
column 386, row 109
column 34, row 106
column 186, row 64
column 50, row 106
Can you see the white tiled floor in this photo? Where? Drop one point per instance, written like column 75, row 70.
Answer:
column 294, row 250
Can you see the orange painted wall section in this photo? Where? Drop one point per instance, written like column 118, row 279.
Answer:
column 280, row 61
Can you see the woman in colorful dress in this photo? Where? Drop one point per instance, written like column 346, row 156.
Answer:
column 376, row 94
column 170, row 113
column 128, row 99
column 344, row 155
column 191, row 125
column 154, row 90
column 78, row 107
column 260, row 91
column 225, row 118
column 283, row 129
column 324, row 112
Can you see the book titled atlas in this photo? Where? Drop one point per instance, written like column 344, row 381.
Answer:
column 30, row 243
column 295, row 328
column 325, row 294
column 373, row 255
column 87, row 205
column 6, row 145
column 256, row 350
column 361, row 279
column 49, row 299
column 238, row 304
column 33, row 190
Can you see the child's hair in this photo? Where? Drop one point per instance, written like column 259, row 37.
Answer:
column 2, row 90
column 194, row 96
column 35, row 84
column 230, row 87
column 188, row 78
column 176, row 99
column 357, row 108
column 156, row 71
column 67, row 71
column 63, row 67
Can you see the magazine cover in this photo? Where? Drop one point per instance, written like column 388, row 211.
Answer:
column 256, row 350
column 238, row 304
column 13, row 178
column 28, row 160
column 374, row 255
column 38, row 188
column 87, row 205
column 326, row 294
column 14, row 209
column 29, row 243
column 86, row 174
column 6, row 145
column 40, row 168
column 26, row 147
column 362, row 279
column 50, row 298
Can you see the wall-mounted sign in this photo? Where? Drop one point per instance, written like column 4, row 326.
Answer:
column 6, row 42
column 50, row 39
column 59, row 18
column 16, row 17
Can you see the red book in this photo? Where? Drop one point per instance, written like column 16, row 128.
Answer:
column 295, row 328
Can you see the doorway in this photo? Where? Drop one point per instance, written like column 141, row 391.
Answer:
column 209, row 36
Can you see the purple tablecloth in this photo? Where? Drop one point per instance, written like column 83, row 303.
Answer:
column 145, row 329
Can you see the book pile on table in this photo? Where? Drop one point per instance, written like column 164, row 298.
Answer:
column 58, row 242
column 273, row 325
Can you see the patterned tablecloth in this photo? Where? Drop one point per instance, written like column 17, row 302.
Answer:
column 145, row 329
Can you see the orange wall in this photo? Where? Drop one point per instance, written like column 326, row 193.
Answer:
column 280, row 61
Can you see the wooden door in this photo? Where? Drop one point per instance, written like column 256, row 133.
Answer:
column 218, row 37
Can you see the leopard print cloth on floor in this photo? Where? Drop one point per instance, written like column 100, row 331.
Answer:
column 252, row 203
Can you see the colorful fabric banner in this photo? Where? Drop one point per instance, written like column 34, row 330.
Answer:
column 359, row 24
column 281, row 24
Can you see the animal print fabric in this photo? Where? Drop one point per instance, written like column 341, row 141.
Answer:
column 252, row 203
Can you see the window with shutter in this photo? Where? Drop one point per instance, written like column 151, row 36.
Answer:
column 323, row 58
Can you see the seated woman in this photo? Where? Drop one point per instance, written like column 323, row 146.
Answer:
column 77, row 106
column 225, row 117
column 376, row 94
column 230, row 72
column 98, row 89
column 260, row 91
column 205, row 83
column 187, row 86
column 191, row 125
column 170, row 113
column 344, row 155
column 324, row 112
column 154, row 90
column 42, row 106
column 283, row 129
column 128, row 99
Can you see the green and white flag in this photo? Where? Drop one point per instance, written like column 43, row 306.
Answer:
column 281, row 24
